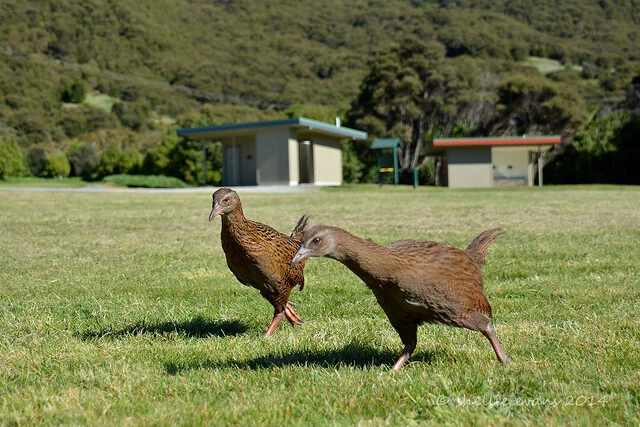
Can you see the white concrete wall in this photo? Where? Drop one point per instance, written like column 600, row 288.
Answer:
column 245, row 162
column 272, row 156
column 327, row 161
column 294, row 160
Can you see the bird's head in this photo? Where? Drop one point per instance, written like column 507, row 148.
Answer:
column 316, row 242
column 225, row 201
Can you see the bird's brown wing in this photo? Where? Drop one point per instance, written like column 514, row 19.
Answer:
column 449, row 271
column 271, row 252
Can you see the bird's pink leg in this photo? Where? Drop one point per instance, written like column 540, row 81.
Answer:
column 292, row 316
column 274, row 324
column 406, row 354
column 490, row 333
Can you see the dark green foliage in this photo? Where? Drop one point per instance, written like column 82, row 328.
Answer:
column 110, row 161
column 156, row 161
column 83, row 158
column 85, row 119
column 607, row 151
column 530, row 103
column 627, row 156
column 183, row 159
column 31, row 127
column 73, row 91
column 134, row 114
column 57, row 166
column 186, row 162
column 37, row 159
column 116, row 161
column 352, row 166
column 147, row 181
column 48, row 163
column 11, row 159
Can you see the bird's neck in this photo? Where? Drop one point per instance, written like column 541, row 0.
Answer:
column 234, row 219
column 372, row 263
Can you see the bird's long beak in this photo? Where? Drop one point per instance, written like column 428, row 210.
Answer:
column 303, row 253
column 215, row 211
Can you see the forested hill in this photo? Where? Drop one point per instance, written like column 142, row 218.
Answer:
column 302, row 51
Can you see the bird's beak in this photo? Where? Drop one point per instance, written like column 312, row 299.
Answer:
column 303, row 253
column 215, row 211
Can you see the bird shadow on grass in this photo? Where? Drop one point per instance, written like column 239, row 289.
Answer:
column 198, row 327
column 351, row 355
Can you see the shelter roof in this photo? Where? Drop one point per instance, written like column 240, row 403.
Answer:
column 243, row 129
column 380, row 143
column 441, row 144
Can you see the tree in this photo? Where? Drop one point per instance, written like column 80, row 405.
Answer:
column 406, row 94
column 37, row 160
column 529, row 103
column 110, row 161
column 57, row 165
column 73, row 91
column 83, row 158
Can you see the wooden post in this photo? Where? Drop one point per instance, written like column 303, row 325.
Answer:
column 380, row 168
column 396, row 176
column 540, row 166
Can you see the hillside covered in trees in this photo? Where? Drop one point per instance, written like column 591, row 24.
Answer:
column 102, row 84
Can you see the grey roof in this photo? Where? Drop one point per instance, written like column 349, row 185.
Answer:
column 301, row 123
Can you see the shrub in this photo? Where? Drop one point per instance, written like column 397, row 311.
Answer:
column 84, row 159
column 352, row 166
column 57, row 166
column 110, row 161
column 157, row 158
column 130, row 162
column 37, row 158
column 11, row 159
column 73, row 91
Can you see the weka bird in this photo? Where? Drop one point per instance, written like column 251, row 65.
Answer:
column 414, row 281
column 260, row 256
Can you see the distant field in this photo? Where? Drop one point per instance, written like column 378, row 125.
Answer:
column 546, row 65
column 100, row 100
column 118, row 309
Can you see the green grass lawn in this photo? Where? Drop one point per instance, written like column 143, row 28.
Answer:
column 43, row 182
column 119, row 309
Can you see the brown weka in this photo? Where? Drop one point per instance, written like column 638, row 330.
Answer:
column 260, row 256
column 414, row 281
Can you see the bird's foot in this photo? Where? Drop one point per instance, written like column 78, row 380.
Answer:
column 291, row 315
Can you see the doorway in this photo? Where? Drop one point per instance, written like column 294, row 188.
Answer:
column 231, row 165
column 305, row 163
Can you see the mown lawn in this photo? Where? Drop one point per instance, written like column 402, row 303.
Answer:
column 118, row 309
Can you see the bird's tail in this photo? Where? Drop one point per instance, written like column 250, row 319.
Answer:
column 477, row 249
column 300, row 227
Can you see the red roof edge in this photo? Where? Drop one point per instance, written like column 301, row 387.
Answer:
column 515, row 140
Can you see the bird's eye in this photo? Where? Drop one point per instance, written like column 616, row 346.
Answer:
column 316, row 240
column 226, row 199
